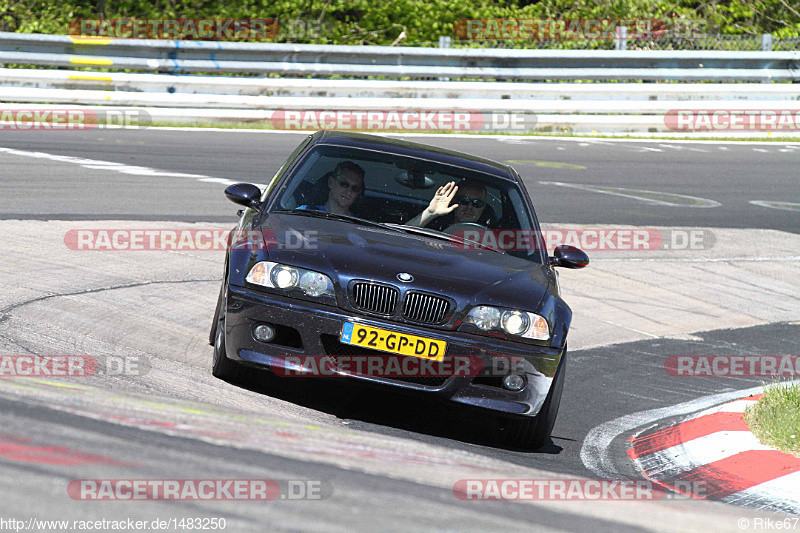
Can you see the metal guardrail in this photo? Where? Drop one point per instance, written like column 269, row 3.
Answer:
column 169, row 90
column 169, row 87
column 221, row 101
column 394, row 62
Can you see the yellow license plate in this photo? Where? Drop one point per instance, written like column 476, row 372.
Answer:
column 393, row 342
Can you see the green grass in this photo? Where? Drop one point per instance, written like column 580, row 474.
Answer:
column 775, row 419
column 261, row 124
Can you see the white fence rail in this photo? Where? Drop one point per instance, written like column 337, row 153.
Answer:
column 166, row 93
column 393, row 62
column 174, row 84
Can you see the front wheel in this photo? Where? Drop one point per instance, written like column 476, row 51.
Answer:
column 217, row 313
column 534, row 433
column 222, row 367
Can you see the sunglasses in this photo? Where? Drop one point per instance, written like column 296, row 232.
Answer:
column 344, row 185
column 465, row 200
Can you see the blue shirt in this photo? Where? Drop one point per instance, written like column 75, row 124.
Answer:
column 314, row 207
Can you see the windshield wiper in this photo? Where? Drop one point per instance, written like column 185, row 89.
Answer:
column 326, row 214
column 439, row 235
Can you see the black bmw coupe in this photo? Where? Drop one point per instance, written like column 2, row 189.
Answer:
column 404, row 266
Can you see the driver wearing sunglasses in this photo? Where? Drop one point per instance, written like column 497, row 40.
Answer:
column 466, row 201
column 345, row 185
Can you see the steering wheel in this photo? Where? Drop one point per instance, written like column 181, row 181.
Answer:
column 463, row 226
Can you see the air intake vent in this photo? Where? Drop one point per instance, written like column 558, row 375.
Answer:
column 375, row 298
column 426, row 308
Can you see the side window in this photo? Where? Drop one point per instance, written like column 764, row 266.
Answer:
column 303, row 181
column 283, row 168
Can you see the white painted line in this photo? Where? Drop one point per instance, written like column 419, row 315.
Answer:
column 515, row 140
column 216, row 180
column 640, row 195
column 596, row 453
column 146, row 171
column 670, row 463
column 679, row 148
column 116, row 167
column 696, row 259
column 760, row 150
column 784, row 206
column 733, row 407
column 647, row 149
column 628, row 328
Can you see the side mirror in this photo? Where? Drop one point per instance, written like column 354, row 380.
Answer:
column 569, row 257
column 245, row 194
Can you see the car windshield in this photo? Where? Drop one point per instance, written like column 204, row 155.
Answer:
column 394, row 190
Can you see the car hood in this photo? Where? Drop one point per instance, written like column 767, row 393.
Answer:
column 346, row 251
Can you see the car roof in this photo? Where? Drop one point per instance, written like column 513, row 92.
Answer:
column 412, row 149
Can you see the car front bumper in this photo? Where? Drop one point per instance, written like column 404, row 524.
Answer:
column 319, row 327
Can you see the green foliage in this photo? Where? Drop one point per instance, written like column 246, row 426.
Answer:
column 383, row 22
column 775, row 419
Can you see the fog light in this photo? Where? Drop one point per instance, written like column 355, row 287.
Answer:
column 264, row 333
column 514, row 382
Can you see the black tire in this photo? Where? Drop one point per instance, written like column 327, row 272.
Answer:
column 222, row 367
column 217, row 312
column 534, row 433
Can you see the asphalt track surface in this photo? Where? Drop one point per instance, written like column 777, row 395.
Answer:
column 602, row 383
column 730, row 174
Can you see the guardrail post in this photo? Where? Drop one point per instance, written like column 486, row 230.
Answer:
column 766, row 42
column 621, row 42
column 444, row 42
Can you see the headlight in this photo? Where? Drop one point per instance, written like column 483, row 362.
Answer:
column 315, row 284
column 284, row 277
column 515, row 322
column 484, row 317
column 277, row 276
column 510, row 321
